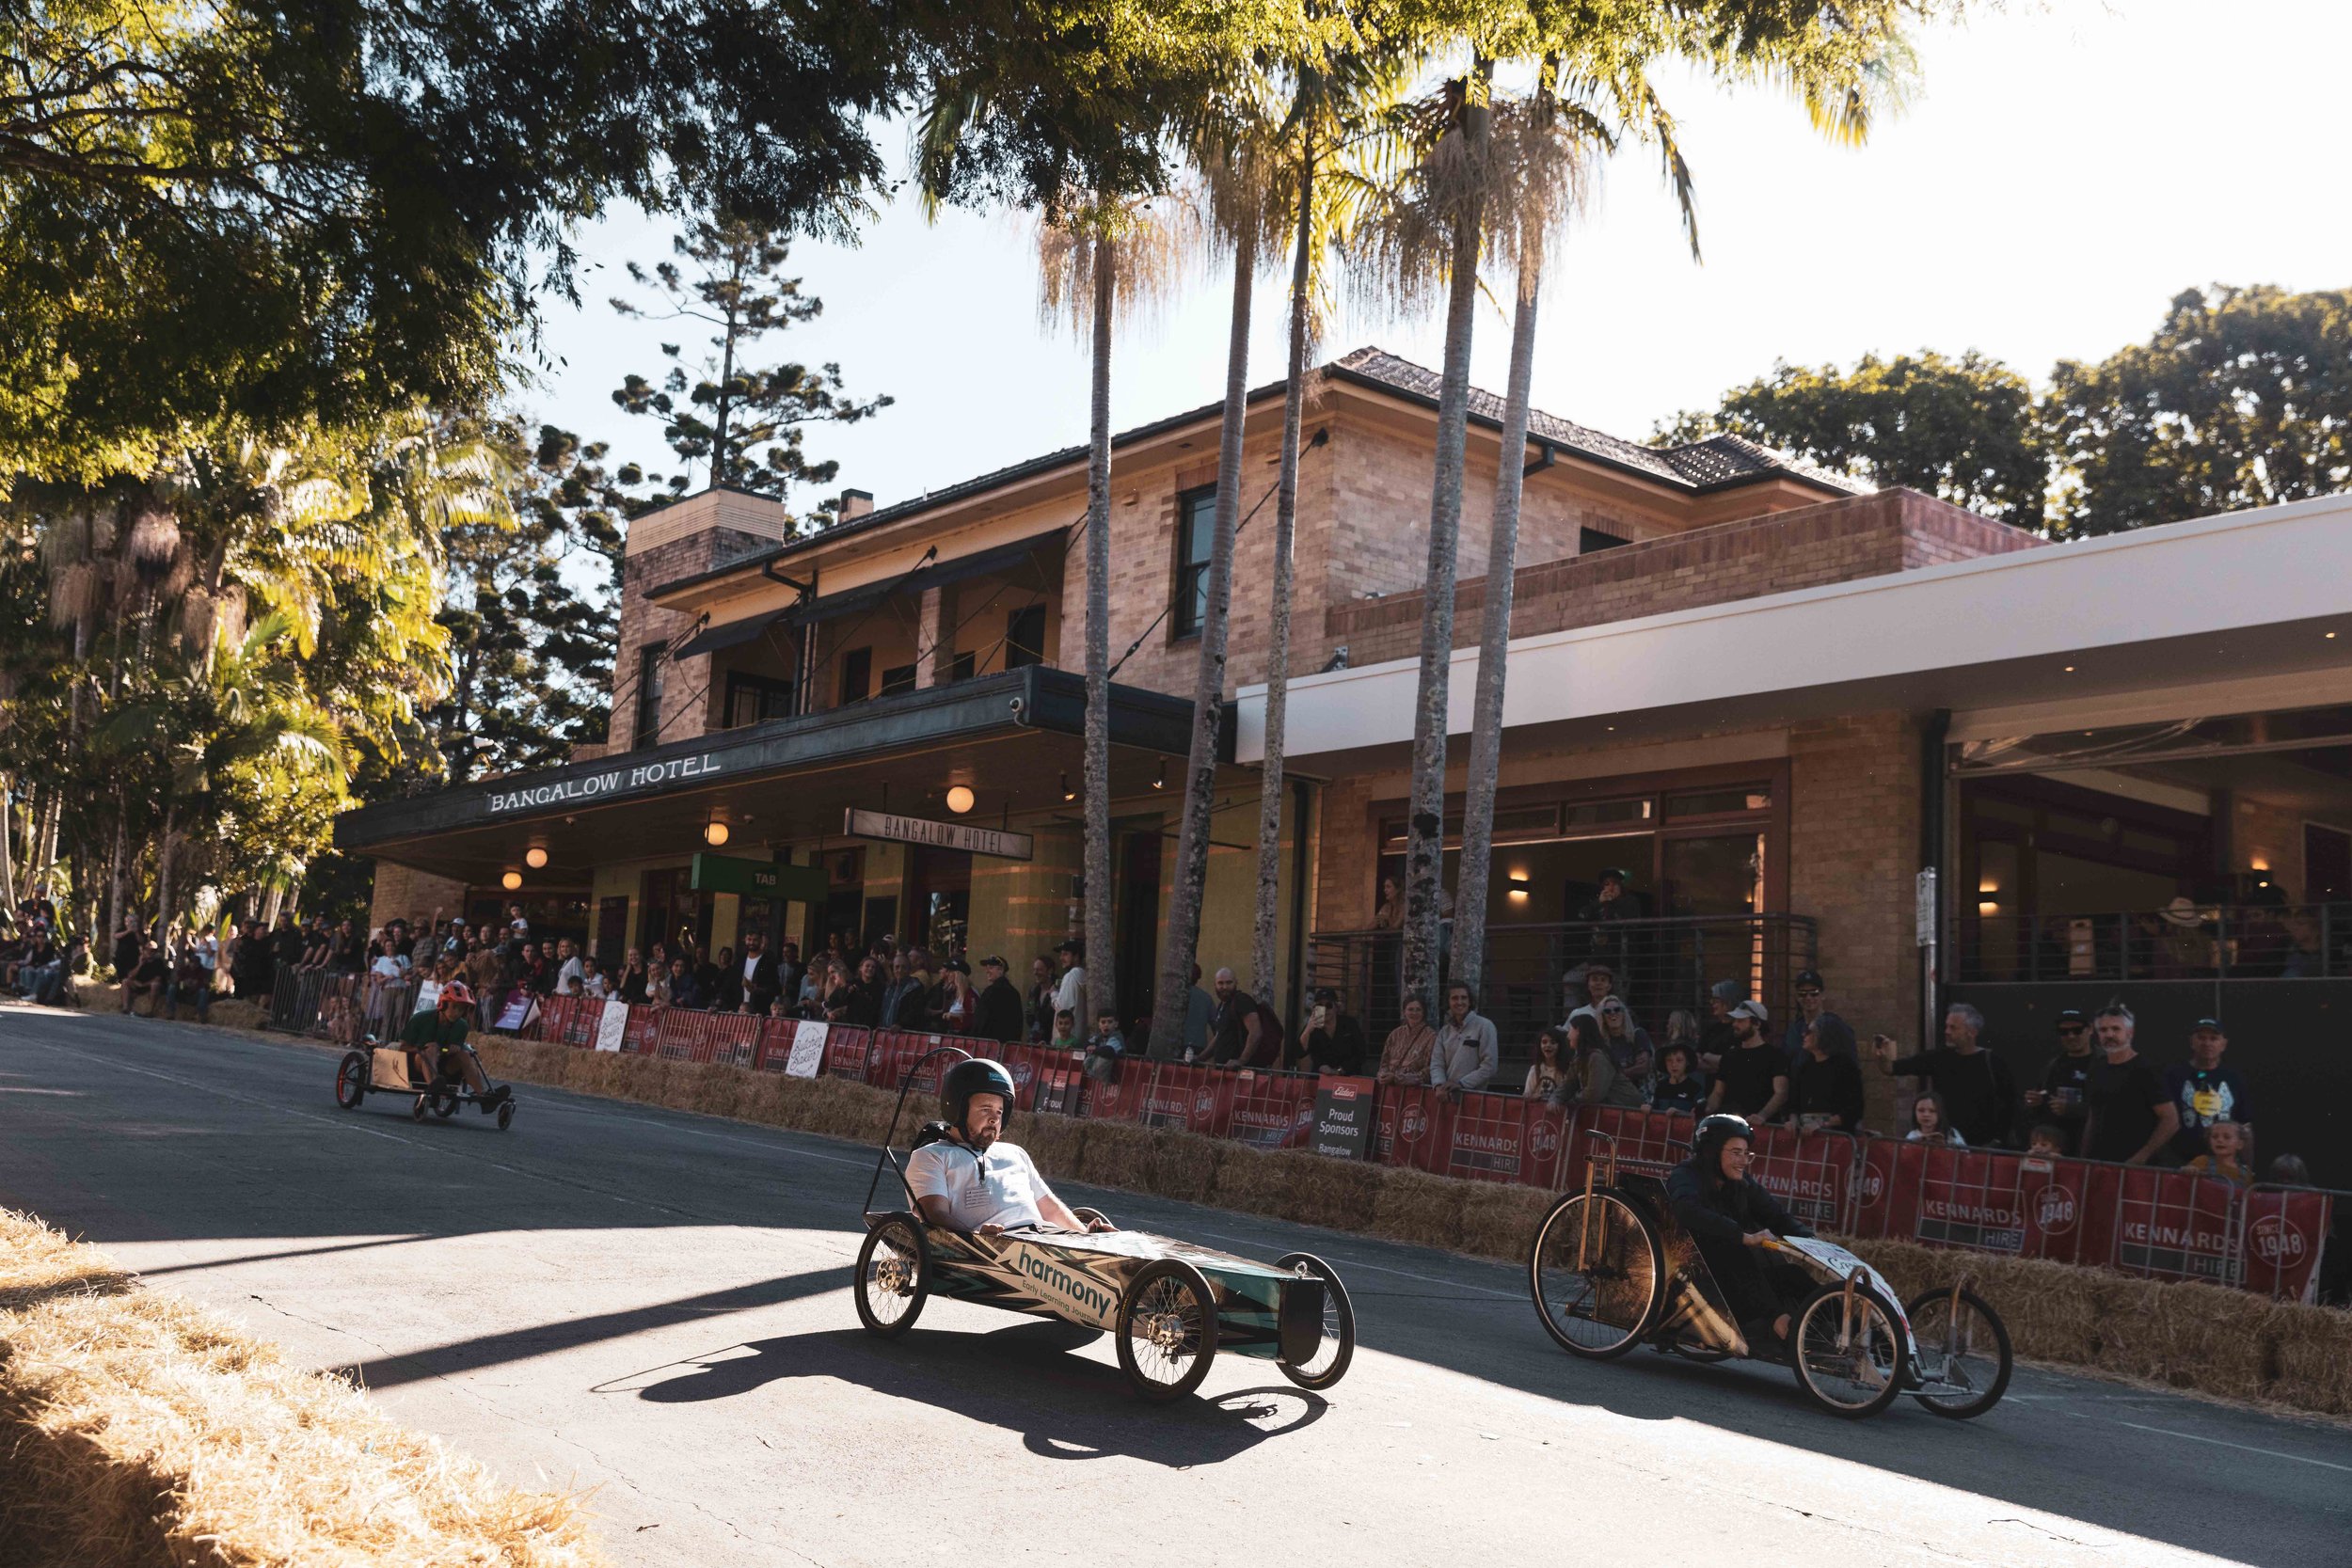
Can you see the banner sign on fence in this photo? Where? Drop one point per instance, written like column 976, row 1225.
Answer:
column 1342, row 1126
column 1271, row 1110
column 613, row 1026
column 808, row 1049
column 521, row 1012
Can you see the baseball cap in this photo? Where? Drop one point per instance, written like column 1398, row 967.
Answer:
column 1809, row 977
column 955, row 966
column 2205, row 1024
column 993, row 961
column 2072, row 1015
column 1753, row 1009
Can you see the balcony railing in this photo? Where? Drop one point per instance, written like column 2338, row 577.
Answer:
column 1660, row 965
column 2305, row 942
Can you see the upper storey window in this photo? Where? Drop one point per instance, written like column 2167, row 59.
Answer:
column 1196, row 522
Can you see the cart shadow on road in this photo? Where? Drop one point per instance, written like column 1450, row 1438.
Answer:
column 1023, row 1379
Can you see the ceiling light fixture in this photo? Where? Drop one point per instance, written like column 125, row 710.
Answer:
column 1066, row 793
column 534, row 857
column 959, row 799
column 512, row 880
column 714, row 832
column 1159, row 780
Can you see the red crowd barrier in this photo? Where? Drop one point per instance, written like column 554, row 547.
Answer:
column 2156, row 1224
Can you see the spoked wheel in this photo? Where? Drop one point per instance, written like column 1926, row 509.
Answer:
column 1598, row 1274
column 1167, row 1329
column 350, row 1080
column 1329, row 1362
column 445, row 1104
column 893, row 1270
column 506, row 1116
column 1849, row 1362
column 1963, row 1357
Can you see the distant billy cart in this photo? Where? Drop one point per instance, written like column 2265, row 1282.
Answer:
column 1612, row 1268
column 433, row 1064
column 1172, row 1305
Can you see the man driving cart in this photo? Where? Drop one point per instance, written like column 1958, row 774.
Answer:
column 1732, row 1219
column 967, row 1178
column 445, row 1026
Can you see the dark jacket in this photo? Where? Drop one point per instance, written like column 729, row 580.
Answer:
column 1725, row 1211
column 1339, row 1049
column 1831, row 1087
column 1000, row 1012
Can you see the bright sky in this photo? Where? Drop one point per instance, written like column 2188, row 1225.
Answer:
column 2062, row 172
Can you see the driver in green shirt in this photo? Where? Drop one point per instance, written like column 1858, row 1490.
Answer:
column 447, row 1024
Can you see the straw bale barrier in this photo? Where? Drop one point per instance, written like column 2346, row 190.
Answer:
column 138, row 1432
column 2186, row 1335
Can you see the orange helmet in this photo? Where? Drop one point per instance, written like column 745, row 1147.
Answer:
column 457, row 991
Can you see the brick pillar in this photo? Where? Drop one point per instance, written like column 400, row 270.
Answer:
column 935, row 637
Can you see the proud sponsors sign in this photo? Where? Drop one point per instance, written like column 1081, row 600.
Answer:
column 1343, row 1117
column 603, row 784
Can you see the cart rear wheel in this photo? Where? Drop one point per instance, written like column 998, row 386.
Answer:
column 350, row 1080
column 1329, row 1362
column 1849, row 1363
column 893, row 1271
column 1598, row 1274
column 506, row 1115
column 1963, row 1357
column 416, row 1112
column 445, row 1104
column 1167, row 1329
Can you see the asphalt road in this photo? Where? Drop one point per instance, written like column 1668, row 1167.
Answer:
column 656, row 1305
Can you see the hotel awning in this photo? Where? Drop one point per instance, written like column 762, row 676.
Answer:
column 734, row 634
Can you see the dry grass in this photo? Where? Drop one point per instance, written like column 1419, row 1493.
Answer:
column 1181, row 1165
column 136, row 1431
column 1058, row 1144
column 1414, row 1206
column 1499, row 1221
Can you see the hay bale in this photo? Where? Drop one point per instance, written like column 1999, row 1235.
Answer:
column 1499, row 1221
column 1413, row 1205
column 1181, row 1165
column 2313, row 1359
column 1293, row 1185
column 231, row 1013
column 521, row 1061
column 706, row 1089
column 1057, row 1142
column 768, row 1099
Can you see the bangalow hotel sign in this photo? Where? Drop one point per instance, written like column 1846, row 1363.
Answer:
column 595, row 787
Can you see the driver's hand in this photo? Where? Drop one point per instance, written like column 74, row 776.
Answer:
column 1759, row 1238
column 992, row 1231
column 1096, row 1226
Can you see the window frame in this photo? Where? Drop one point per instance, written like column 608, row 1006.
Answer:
column 741, row 683
column 1188, row 586
column 650, row 662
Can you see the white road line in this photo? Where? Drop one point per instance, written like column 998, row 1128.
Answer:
column 2218, row 1443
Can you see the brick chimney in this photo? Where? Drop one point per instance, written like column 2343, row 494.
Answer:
column 855, row 504
column 691, row 534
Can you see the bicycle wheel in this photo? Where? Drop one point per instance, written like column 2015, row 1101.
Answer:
column 350, row 1080
column 1167, row 1329
column 893, row 1275
column 1965, row 1357
column 1338, row 1345
column 1849, row 1363
column 1598, row 1274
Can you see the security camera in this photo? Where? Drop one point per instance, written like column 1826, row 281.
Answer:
column 1020, row 707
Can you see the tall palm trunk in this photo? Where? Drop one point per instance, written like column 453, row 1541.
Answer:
column 7, row 846
column 118, row 871
column 1101, row 979
column 1277, row 666
column 1502, row 551
column 1425, row 849
column 1208, row 697
column 167, row 858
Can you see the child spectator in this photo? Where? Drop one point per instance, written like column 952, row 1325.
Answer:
column 1066, row 1031
column 1104, row 1048
column 2225, row 1146
column 1679, row 1087
column 1544, row 1077
column 1928, row 1125
column 2046, row 1142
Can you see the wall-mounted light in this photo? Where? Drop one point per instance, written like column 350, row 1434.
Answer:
column 1988, row 906
column 1517, row 884
column 959, row 799
column 1066, row 793
column 2260, row 863
column 1988, row 885
column 714, row 832
column 1159, row 780
column 534, row 857
column 512, row 880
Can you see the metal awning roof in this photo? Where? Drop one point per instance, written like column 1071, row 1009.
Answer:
column 850, row 601
column 733, row 634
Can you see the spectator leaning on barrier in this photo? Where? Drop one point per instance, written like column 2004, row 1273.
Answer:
column 1679, row 1086
column 1105, row 1048
column 1000, row 1003
column 1750, row 1080
column 1228, row 1021
column 1929, row 1123
column 2225, row 1155
column 1975, row 1085
column 1200, row 1009
column 2064, row 1095
column 1404, row 1054
column 2132, row 1118
column 2204, row 1092
column 1467, row 1052
column 1334, row 1040
column 1551, row 1070
column 1596, row 1078
column 1827, row 1090
column 903, row 986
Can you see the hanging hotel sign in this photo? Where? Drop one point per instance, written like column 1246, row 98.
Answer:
column 612, row 780
column 939, row 835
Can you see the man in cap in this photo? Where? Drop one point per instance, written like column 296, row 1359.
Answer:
column 1812, row 1001
column 2062, row 1100
column 1751, row 1081
column 2205, row 1092
column 1000, row 1003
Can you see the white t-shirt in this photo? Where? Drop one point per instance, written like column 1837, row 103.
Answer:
column 567, row 978
column 999, row 1187
column 1070, row 995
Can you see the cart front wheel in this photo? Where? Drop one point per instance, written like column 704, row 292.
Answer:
column 445, row 1104
column 1597, row 1274
column 506, row 1116
column 1329, row 1362
column 416, row 1112
column 1964, row 1358
column 1848, row 1360
column 1167, row 1329
column 350, row 1080
column 893, row 1271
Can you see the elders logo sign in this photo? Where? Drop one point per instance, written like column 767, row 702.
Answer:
column 2277, row 1241
column 2054, row 1211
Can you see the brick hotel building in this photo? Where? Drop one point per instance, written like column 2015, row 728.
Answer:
column 1933, row 755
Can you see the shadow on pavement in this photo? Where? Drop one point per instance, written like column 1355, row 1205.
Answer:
column 1022, row 1379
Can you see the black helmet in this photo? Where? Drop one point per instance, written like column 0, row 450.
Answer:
column 978, row 1075
column 1707, row 1144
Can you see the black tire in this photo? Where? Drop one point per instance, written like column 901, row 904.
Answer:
column 416, row 1112
column 1598, row 1274
column 445, row 1104
column 1983, row 1337
column 1338, row 1326
column 1167, row 1329
column 892, row 1278
column 506, row 1115
column 350, row 1080
column 1706, row 1356
column 1847, row 1370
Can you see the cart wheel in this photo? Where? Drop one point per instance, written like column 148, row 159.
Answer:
column 1706, row 1356
column 445, row 1104
column 1167, row 1329
column 1598, row 1274
column 506, row 1116
column 350, row 1080
column 1964, row 1356
column 1849, row 1366
column 893, row 1271
column 416, row 1112
column 1329, row 1362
